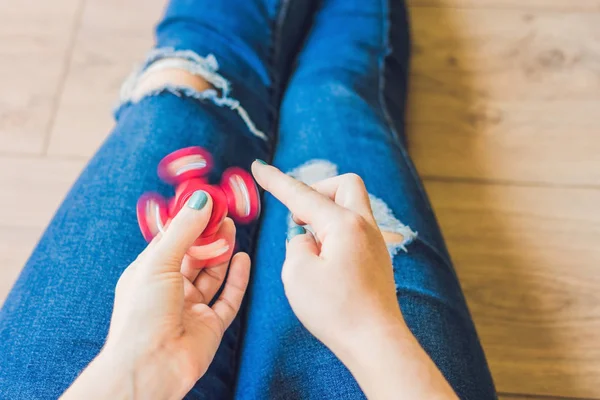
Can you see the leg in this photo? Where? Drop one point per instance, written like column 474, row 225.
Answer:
column 335, row 118
column 56, row 318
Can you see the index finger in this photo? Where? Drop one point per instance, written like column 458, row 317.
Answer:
column 303, row 201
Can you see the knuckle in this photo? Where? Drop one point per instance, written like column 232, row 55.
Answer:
column 286, row 275
column 355, row 222
column 167, row 259
column 354, row 179
column 298, row 187
column 119, row 285
column 304, row 238
column 228, row 304
column 222, row 328
column 122, row 282
column 139, row 259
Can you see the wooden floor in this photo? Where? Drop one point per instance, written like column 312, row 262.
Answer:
column 504, row 129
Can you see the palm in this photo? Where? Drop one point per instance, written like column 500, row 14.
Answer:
column 197, row 296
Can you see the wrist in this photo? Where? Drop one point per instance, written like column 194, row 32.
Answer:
column 359, row 342
column 153, row 374
column 387, row 359
column 117, row 374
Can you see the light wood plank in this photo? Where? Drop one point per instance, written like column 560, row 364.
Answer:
column 34, row 37
column 528, row 259
column 511, row 396
column 32, row 190
column 114, row 37
column 506, row 95
column 497, row 94
column 559, row 5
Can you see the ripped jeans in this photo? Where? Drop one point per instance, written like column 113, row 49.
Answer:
column 318, row 88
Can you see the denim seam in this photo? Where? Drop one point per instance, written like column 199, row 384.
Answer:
column 276, row 78
column 432, row 296
column 440, row 254
column 435, row 252
column 386, row 51
column 386, row 31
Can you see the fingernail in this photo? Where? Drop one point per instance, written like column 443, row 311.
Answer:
column 295, row 231
column 261, row 161
column 198, row 200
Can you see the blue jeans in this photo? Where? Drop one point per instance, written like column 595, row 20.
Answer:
column 318, row 87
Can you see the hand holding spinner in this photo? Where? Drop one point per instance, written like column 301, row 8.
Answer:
column 187, row 169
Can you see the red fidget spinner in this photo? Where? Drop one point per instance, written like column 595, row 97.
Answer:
column 236, row 195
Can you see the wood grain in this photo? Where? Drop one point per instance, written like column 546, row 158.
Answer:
column 34, row 38
column 503, row 91
column 113, row 38
column 506, row 95
column 32, row 189
column 558, row 5
column 511, row 396
column 528, row 259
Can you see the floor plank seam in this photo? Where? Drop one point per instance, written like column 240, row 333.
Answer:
column 506, row 182
column 38, row 156
column 68, row 56
column 582, row 10
column 543, row 396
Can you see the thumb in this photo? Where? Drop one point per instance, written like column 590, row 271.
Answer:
column 183, row 231
column 301, row 243
column 302, row 251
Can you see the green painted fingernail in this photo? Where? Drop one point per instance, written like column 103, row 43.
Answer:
column 261, row 161
column 198, row 200
column 295, row 231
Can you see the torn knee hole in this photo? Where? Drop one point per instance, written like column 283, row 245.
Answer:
column 165, row 73
column 184, row 74
column 397, row 235
column 393, row 237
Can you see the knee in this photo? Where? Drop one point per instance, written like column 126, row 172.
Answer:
column 175, row 70
column 393, row 238
column 396, row 234
column 184, row 74
column 167, row 72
